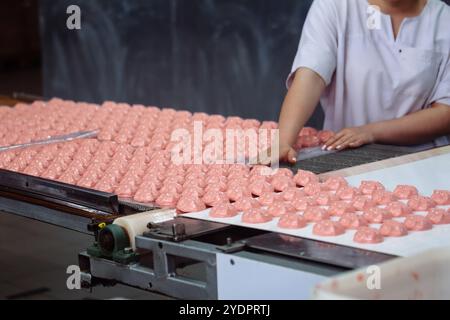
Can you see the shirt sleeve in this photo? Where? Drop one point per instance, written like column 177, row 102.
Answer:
column 441, row 93
column 318, row 44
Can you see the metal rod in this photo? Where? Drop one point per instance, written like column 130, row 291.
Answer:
column 54, row 139
column 27, row 97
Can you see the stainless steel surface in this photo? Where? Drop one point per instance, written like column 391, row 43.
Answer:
column 180, row 229
column 316, row 251
column 17, row 184
column 48, row 215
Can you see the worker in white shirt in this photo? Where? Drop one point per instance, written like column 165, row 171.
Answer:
column 380, row 68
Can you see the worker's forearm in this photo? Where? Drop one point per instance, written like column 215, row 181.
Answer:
column 416, row 128
column 299, row 104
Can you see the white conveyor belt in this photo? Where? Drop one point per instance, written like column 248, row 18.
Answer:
column 428, row 175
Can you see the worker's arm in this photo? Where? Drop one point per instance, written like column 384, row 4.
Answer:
column 299, row 104
column 419, row 127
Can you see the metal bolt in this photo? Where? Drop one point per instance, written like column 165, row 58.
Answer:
column 178, row 229
column 229, row 241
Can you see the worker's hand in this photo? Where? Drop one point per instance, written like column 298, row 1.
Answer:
column 286, row 154
column 350, row 138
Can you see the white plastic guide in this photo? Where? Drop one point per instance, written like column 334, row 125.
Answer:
column 136, row 224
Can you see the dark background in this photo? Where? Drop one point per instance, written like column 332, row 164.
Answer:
column 20, row 47
column 220, row 56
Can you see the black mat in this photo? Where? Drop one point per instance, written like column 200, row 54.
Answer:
column 353, row 157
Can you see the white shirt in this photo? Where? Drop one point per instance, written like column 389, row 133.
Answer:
column 370, row 75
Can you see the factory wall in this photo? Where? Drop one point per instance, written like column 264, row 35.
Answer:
column 220, row 56
column 19, row 36
column 20, row 47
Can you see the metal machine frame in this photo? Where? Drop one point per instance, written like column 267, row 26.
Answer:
column 187, row 258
